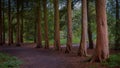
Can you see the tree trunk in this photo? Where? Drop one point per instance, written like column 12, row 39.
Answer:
column 0, row 23
column 35, row 32
column 83, row 44
column 9, row 24
column 3, row 34
column 117, row 27
column 18, row 25
column 69, row 27
column 39, row 34
column 102, row 48
column 91, row 45
column 56, row 25
column 46, row 24
column 22, row 21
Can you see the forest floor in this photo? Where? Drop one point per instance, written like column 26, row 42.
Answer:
column 49, row 58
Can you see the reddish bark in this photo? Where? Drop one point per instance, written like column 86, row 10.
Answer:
column 45, row 24
column 102, row 48
column 56, row 25
column 69, row 27
column 83, row 44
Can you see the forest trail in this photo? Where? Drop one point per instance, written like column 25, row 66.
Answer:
column 43, row 58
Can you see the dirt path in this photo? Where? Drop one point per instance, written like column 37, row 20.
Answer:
column 42, row 58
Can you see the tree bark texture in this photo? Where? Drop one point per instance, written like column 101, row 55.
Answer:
column 56, row 25
column 18, row 25
column 83, row 43
column 102, row 48
column 39, row 34
column 10, row 36
column 69, row 27
column 3, row 24
column 22, row 22
column 45, row 24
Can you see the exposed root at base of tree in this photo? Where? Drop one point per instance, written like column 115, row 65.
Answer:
column 67, row 51
column 82, row 53
column 96, row 59
column 85, row 55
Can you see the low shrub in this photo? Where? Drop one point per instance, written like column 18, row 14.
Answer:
column 7, row 61
column 113, row 61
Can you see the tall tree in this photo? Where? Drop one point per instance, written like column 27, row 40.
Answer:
column 83, row 44
column 102, row 48
column 3, row 23
column 89, row 26
column 56, row 25
column 117, row 26
column 10, row 36
column 39, row 34
column 22, row 22
column 35, row 27
column 69, row 27
column 18, row 24
column 45, row 23
column 0, row 23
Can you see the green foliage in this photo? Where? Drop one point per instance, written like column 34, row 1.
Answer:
column 7, row 61
column 113, row 61
column 63, row 41
column 29, row 17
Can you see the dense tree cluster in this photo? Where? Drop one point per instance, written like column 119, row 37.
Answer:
column 50, row 22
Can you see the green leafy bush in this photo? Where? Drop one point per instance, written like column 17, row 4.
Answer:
column 113, row 61
column 7, row 61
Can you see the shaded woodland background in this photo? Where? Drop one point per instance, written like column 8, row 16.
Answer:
column 56, row 22
column 27, row 15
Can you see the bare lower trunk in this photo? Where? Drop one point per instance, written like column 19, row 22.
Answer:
column 56, row 25
column 39, row 34
column 18, row 25
column 102, row 48
column 9, row 24
column 21, row 31
column 3, row 24
column 35, row 32
column 46, row 24
column 83, row 44
column 91, row 46
column 22, row 21
column 69, row 27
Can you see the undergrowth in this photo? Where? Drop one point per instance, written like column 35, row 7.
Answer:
column 113, row 61
column 7, row 61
